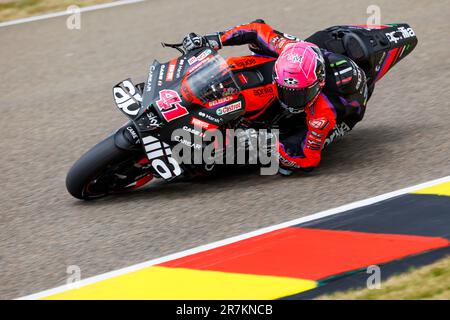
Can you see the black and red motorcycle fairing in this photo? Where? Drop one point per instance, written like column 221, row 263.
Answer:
column 194, row 92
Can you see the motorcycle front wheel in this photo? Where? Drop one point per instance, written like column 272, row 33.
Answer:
column 107, row 169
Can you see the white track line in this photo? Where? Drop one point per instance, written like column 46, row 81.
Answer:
column 221, row 243
column 64, row 13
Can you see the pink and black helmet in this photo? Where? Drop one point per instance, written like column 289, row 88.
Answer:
column 299, row 74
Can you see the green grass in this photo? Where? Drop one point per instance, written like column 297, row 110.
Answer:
column 15, row 9
column 429, row 282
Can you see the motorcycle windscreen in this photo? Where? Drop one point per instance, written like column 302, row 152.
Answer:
column 211, row 81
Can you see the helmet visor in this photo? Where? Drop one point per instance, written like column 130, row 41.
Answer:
column 297, row 98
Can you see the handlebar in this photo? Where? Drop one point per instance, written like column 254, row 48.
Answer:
column 178, row 46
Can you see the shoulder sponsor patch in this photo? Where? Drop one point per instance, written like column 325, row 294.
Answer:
column 320, row 123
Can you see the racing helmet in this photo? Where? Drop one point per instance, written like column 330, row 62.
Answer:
column 299, row 74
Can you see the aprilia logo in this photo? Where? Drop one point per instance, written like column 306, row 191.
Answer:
column 338, row 132
column 400, row 33
column 157, row 151
column 127, row 98
column 245, row 62
column 263, row 91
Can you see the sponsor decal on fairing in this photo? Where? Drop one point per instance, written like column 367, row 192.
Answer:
column 229, row 108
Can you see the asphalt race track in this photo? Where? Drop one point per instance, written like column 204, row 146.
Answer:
column 56, row 102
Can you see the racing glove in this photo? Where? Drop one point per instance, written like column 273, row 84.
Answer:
column 194, row 41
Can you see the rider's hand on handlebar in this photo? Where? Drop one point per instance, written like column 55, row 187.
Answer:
column 193, row 41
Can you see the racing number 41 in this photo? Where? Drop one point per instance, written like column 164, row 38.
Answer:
column 169, row 104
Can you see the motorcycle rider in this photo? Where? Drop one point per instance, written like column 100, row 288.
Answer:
column 329, row 88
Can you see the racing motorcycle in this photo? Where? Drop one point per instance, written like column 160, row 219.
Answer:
column 201, row 91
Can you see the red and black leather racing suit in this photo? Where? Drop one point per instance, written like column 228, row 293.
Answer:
column 337, row 109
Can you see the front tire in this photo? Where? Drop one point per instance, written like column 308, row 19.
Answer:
column 105, row 169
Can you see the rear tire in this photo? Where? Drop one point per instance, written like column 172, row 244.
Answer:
column 93, row 164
